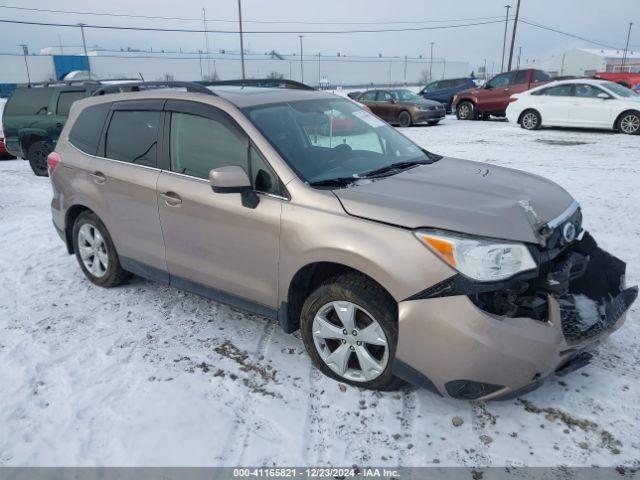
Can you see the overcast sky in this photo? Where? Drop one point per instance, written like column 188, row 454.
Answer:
column 606, row 22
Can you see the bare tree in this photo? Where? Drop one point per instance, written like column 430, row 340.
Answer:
column 275, row 76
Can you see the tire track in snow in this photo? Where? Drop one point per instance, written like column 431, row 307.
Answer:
column 246, row 413
column 314, row 442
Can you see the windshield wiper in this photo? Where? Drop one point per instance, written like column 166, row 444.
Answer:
column 334, row 182
column 392, row 167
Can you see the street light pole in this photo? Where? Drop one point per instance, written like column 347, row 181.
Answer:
column 431, row 61
column 626, row 47
column 301, row 68
column 241, row 39
column 504, row 40
column 25, row 52
column 513, row 34
column 84, row 46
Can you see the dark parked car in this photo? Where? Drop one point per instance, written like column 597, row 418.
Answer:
column 493, row 97
column 402, row 107
column 443, row 90
column 34, row 116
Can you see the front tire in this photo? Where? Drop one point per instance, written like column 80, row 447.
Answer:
column 629, row 123
column 465, row 110
column 404, row 119
column 37, row 156
column 95, row 252
column 350, row 330
column 530, row 120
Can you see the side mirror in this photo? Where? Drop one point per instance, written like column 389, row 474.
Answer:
column 487, row 86
column 233, row 179
column 603, row 96
column 393, row 100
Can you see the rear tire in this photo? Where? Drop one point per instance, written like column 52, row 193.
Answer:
column 466, row 110
column 629, row 123
column 404, row 119
column 95, row 252
column 37, row 156
column 530, row 120
column 335, row 342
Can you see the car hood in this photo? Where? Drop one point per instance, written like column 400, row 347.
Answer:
column 461, row 196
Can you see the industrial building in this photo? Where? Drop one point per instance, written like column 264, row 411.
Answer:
column 587, row 61
column 53, row 63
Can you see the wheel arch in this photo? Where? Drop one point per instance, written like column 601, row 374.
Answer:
column 616, row 123
column 70, row 217
column 307, row 279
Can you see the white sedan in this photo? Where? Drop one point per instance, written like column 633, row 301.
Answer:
column 586, row 103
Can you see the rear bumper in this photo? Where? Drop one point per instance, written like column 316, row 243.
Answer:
column 466, row 352
column 13, row 147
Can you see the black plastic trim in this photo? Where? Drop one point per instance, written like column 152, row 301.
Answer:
column 409, row 374
column 144, row 270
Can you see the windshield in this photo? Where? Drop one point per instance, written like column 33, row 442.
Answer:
column 330, row 138
column 404, row 95
column 620, row 90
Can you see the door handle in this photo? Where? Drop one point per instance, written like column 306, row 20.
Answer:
column 98, row 177
column 171, row 199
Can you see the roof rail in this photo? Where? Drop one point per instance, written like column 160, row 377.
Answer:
column 141, row 86
column 68, row 83
column 258, row 82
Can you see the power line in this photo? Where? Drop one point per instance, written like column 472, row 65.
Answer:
column 578, row 37
column 226, row 20
column 235, row 32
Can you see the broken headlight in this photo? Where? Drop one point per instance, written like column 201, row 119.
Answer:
column 481, row 259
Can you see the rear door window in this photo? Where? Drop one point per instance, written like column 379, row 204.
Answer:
column 133, row 137
column 86, row 131
column 521, row 77
column 65, row 99
column 29, row 101
column 368, row 97
column 540, row 76
column 200, row 144
column 558, row 91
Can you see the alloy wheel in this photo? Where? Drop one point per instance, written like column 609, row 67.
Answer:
column 630, row 124
column 350, row 341
column 530, row 121
column 93, row 250
column 464, row 111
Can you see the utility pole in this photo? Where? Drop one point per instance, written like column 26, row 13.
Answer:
column 405, row 70
column 206, row 41
column 513, row 34
column 504, row 40
column 84, row 46
column 626, row 47
column 431, row 61
column 519, row 55
column 241, row 39
column 25, row 52
column 301, row 68
column 318, row 69
column 200, row 58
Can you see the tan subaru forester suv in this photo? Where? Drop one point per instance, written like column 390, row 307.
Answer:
column 394, row 263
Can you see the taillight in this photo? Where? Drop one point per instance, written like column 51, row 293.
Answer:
column 52, row 162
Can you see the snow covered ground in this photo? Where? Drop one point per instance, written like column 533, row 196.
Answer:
column 149, row 375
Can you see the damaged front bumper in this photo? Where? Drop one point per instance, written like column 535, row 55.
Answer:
column 477, row 340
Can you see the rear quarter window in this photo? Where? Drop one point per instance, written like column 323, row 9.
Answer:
column 87, row 129
column 29, row 101
column 65, row 99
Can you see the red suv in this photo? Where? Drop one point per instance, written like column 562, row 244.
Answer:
column 493, row 97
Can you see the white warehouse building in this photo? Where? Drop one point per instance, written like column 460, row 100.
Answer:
column 587, row 61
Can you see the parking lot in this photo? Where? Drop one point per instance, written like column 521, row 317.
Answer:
column 148, row 375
